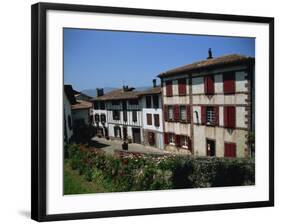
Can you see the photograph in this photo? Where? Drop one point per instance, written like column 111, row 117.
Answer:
column 157, row 111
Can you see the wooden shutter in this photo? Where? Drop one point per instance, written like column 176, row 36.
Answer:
column 203, row 114
column 216, row 113
column 188, row 114
column 177, row 140
column 229, row 82
column 229, row 117
column 156, row 120
column 166, row 138
column 182, row 87
column 149, row 119
column 176, row 112
column 229, row 149
column 166, row 118
column 209, row 84
column 169, row 88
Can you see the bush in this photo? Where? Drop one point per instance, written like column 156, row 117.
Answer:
column 134, row 172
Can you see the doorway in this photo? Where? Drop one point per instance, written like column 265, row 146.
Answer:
column 211, row 147
column 136, row 135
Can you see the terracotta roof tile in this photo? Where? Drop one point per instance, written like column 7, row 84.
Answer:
column 81, row 104
column 118, row 94
column 231, row 59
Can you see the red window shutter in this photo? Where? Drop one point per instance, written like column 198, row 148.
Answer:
column 156, row 120
column 229, row 117
column 177, row 140
column 188, row 114
column 203, row 114
column 229, row 82
column 166, row 138
column 229, row 149
column 169, row 88
column 182, row 87
column 165, row 112
column 209, row 84
column 176, row 112
column 217, row 114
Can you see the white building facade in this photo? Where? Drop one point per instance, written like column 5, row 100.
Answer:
column 151, row 102
column 207, row 107
column 122, row 110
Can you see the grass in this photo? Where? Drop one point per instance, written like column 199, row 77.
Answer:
column 76, row 184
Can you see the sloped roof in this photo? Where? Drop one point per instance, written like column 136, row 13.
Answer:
column 118, row 94
column 231, row 59
column 81, row 104
column 153, row 90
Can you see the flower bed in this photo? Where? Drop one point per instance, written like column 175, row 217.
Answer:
column 135, row 171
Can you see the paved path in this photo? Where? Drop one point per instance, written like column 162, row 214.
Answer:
column 109, row 146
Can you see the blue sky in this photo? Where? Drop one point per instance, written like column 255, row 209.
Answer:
column 96, row 59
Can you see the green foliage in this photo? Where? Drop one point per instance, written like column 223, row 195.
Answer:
column 134, row 172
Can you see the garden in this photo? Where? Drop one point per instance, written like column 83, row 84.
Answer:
column 90, row 170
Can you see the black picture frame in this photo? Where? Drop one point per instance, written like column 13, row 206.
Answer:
column 38, row 108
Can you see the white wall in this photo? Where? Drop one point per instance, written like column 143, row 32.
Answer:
column 15, row 34
column 152, row 111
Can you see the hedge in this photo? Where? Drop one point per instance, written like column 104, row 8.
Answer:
column 135, row 172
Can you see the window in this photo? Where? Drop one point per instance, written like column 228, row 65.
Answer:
column 115, row 102
column 135, row 118
column 170, row 113
column 97, row 118
column 229, row 116
column 148, row 101
column 184, row 143
column 229, row 82
column 125, row 115
column 155, row 101
column 117, row 132
column 210, row 116
column 116, row 115
column 96, row 105
column 134, row 102
column 169, row 88
column 102, row 105
column 182, row 87
column 171, row 139
column 209, row 84
column 182, row 113
column 102, row 118
column 156, row 120
column 229, row 149
column 69, row 122
column 149, row 119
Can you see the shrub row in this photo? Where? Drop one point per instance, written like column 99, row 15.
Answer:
column 133, row 172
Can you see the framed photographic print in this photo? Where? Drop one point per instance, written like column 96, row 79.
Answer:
column 139, row 111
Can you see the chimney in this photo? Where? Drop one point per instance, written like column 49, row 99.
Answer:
column 154, row 82
column 210, row 56
column 100, row 92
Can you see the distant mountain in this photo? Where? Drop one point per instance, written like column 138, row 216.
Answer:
column 93, row 92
